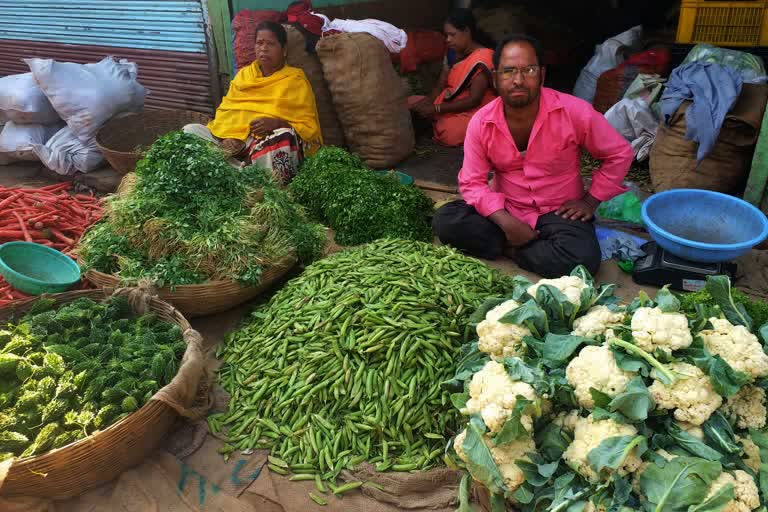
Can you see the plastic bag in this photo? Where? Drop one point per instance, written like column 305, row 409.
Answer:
column 65, row 153
column 649, row 88
column 17, row 140
column 88, row 95
column 637, row 123
column 22, row 101
column 751, row 67
column 625, row 207
column 607, row 56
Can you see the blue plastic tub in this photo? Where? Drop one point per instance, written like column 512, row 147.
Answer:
column 36, row 269
column 704, row 226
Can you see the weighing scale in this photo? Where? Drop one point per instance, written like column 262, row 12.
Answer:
column 659, row 268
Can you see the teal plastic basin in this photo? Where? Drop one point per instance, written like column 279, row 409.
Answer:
column 35, row 269
column 403, row 178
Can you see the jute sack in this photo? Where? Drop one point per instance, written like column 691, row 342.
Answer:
column 434, row 490
column 369, row 96
column 726, row 168
column 299, row 57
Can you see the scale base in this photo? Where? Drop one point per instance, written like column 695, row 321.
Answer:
column 659, row 268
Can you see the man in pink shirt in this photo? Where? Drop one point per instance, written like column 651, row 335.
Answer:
column 535, row 209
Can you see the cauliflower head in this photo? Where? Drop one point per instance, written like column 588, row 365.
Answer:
column 493, row 394
column 652, row 328
column 595, row 367
column 587, row 436
column 751, row 455
column 739, row 347
column 504, row 457
column 498, row 339
column 695, row 430
column 744, row 489
column 567, row 421
column 570, row 286
column 693, row 398
column 597, row 320
column 747, row 407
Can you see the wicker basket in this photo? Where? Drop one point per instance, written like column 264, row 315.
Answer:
column 101, row 457
column 208, row 298
column 120, row 137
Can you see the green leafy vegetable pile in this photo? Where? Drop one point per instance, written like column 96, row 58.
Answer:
column 574, row 402
column 68, row 372
column 344, row 364
column 361, row 206
column 192, row 218
column 757, row 309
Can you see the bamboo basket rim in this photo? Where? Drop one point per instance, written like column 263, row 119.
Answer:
column 212, row 297
column 287, row 262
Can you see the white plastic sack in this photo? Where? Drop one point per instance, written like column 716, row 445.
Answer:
column 65, row 153
column 88, row 95
column 17, row 140
column 22, row 101
column 635, row 121
column 607, row 56
column 393, row 38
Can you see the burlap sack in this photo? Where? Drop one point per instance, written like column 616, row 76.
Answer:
column 434, row 490
column 673, row 158
column 299, row 57
column 369, row 96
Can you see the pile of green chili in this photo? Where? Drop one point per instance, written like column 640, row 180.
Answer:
column 345, row 363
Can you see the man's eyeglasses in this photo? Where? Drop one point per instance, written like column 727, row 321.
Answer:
column 525, row 72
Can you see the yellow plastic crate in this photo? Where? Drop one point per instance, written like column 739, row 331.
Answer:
column 737, row 23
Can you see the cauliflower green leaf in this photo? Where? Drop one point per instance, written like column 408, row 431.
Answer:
column 480, row 463
column 611, row 452
column 720, row 289
column 678, row 484
column 558, row 349
column 696, row 447
column 726, row 381
column 720, row 434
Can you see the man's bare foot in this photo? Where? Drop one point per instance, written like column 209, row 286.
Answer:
column 232, row 146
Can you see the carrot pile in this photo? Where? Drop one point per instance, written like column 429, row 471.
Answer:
column 48, row 216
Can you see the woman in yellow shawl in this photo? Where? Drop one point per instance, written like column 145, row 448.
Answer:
column 269, row 111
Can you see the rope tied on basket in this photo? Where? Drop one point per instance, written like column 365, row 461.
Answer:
column 140, row 297
column 189, row 393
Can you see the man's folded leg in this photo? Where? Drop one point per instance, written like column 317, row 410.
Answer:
column 459, row 225
column 562, row 245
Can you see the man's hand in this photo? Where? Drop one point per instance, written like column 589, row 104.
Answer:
column 517, row 233
column 580, row 209
column 265, row 125
column 425, row 108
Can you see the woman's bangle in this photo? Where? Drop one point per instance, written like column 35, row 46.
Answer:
column 437, row 108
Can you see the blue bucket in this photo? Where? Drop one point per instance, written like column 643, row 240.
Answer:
column 704, row 226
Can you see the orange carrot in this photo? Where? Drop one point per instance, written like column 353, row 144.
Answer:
column 23, row 227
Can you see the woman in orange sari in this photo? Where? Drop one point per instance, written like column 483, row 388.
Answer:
column 464, row 86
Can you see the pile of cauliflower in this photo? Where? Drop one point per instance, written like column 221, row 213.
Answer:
column 580, row 403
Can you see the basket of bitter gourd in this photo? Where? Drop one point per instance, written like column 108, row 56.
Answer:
column 90, row 382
